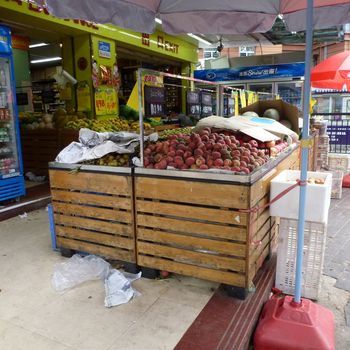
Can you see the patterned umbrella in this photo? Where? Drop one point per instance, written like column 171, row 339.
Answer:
column 202, row 16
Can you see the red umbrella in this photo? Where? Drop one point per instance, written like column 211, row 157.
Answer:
column 332, row 73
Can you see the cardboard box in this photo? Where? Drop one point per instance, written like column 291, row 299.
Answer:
column 286, row 111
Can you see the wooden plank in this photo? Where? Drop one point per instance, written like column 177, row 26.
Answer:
column 108, row 252
column 196, row 258
column 91, row 182
column 262, row 187
column 93, row 199
column 260, row 235
column 257, row 224
column 185, row 191
column 192, row 212
column 95, row 237
column 230, row 278
column 265, row 238
column 221, row 247
column 92, row 212
column 97, row 225
column 210, row 230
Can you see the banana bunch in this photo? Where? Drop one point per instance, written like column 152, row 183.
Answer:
column 135, row 126
column 78, row 124
column 112, row 124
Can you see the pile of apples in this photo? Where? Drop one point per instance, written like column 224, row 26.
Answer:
column 208, row 149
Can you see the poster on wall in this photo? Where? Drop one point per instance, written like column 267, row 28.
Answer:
column 105, row 75
column 95, row 75
column 100, row 102
column 104, row 49
column 111, row 101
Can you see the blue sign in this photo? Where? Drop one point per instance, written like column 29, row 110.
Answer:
column 268, row 72
column 104, row 49
column 339, row 134
column 5, row 36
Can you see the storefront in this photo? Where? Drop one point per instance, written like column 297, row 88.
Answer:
column 76, row 71
column 284, row 80
column 102, row 58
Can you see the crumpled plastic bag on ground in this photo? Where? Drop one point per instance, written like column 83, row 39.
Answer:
column 118, row 288
column 77, row 270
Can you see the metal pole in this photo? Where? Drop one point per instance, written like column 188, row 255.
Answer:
column 304, row 151
column 218, row 99
column 140, row 94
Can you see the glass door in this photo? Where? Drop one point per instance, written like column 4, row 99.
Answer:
column 290, row 92
column 265, row 88
column 9, row 164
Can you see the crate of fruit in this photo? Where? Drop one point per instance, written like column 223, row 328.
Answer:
column 193, row 204
column 318, row 194
column 94, row 209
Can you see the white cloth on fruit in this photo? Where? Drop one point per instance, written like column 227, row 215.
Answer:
column 94, row 145
column 262, row 129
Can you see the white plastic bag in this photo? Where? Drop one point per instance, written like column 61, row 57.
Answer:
column 77, row 270
column 118, row 288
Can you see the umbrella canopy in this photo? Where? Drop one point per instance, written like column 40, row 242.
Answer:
column 332, row 73
column 204, row 16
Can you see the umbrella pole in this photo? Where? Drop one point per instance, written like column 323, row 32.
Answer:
column 304, row 151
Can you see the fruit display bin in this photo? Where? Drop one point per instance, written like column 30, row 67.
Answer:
column 198, row 224
column 318, row 197
column 94, row 210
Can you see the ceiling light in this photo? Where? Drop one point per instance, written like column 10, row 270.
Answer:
column 37, row 45
column 49, row 59
column 158, row 20
column 199, row 39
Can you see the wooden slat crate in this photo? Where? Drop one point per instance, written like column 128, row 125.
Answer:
column 94, row 212
column 196, row 227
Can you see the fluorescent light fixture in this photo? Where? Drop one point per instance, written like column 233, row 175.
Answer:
column 49, row 59
column 158, row 20
column 37, row 45
column 199, row 39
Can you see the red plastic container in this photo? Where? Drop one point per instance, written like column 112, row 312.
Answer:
column 285, row 325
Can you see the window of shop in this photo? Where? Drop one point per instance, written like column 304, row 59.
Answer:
column 211, row 53
column 246, row 51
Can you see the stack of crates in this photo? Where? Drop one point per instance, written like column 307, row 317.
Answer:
column 322, row 152
column 338, row 165
column 315, row 231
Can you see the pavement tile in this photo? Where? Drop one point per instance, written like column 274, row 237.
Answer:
column 343, row 281
column 347, row 314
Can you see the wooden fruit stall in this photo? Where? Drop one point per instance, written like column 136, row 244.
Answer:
column 198, row 223
column 94, row 210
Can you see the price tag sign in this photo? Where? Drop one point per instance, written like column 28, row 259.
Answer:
column 111, row 101
column 100, row 102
